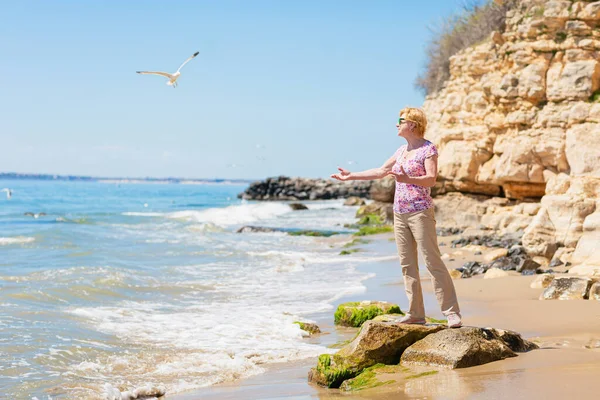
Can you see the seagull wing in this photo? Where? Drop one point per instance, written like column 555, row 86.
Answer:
column 186, row 61
column 165, row 74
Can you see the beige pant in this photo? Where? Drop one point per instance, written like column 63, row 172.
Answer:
column 418, row 229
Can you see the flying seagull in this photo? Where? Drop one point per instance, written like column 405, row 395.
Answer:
column 172, row 77
column 8, row 192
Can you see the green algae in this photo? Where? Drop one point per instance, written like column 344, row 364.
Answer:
column 356, row 242
column 427, row 373
column 353, row 314
column 313, row 233
column 366, row 379
column 350, row 251
column 373, row 230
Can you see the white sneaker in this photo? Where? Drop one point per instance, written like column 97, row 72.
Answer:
column 413, row 321
column 454, row 320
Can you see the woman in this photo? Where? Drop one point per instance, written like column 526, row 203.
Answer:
column 414, row 166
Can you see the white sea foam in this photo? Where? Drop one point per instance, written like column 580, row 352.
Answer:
column 234, row 215
column 245, row 320
column 16, row 240
column 143, row 214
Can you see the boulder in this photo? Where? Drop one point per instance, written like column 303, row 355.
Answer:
column 385, row 211
column 494, row 254
column 383, row 190
column 377, row 342
column 369, row 378
column 567, row 288
column 594, row 293
column 527, row 264
column 464, row 347
column 495, row 273
column 286, row 188
column 354, row 201
column 356, row 313
column 541, row 281
column 298, row 206
column 308, row 327
column 142, row 392
column 585, row 270
column 250, row 228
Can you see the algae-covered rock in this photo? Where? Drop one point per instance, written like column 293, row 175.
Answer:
column 385, row 211
column 348, row 252
column 310, row 328
column 465, row 347
column 398, row 317
column 356, row 313
column 377, row 342
column 368, row 378
column 330, row 371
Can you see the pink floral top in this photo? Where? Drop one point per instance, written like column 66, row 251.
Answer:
column 412, row 198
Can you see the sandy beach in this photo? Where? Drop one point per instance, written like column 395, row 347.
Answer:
column 568, row 333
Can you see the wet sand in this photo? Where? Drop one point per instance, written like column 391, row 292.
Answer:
column 566, row 365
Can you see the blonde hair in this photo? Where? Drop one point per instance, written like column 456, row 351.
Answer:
column 417, row 116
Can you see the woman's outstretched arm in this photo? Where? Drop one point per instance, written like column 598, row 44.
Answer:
column 374, row 173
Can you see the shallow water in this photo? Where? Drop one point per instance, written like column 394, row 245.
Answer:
column 129, row 284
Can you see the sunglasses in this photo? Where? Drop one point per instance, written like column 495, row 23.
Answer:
column 402, row 120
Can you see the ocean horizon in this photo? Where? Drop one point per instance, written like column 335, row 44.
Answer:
column 9, row 176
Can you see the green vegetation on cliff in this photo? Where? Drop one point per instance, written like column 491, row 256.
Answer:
column 472, row 25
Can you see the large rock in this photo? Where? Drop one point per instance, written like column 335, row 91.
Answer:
column 377, row 342
column 298, row 206
column 541, row 281
column 464, row 347
column 587, row 249
column 356, row 313
column 560, row 221
column 286, row 188
column 385, row 211
column 354, row 201
column 308, row 327
column 493, row 273
column 383, row 189
column 567, row 288
column 595, row 291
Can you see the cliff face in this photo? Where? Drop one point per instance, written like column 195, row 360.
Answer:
column 520, row 116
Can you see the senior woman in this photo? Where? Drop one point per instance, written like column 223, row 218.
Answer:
column 414, row 165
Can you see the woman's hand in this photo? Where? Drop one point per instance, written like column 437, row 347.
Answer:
column 343, row 175
column 401, row 176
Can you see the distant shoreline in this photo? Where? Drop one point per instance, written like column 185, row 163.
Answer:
column 79, row 178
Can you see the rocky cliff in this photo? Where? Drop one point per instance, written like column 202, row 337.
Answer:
column 520, row 118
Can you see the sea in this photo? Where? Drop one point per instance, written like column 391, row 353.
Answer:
column 108, row 286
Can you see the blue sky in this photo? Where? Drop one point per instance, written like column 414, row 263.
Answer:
column 279, row 88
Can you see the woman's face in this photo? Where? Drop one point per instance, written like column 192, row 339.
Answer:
column 404, row 127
